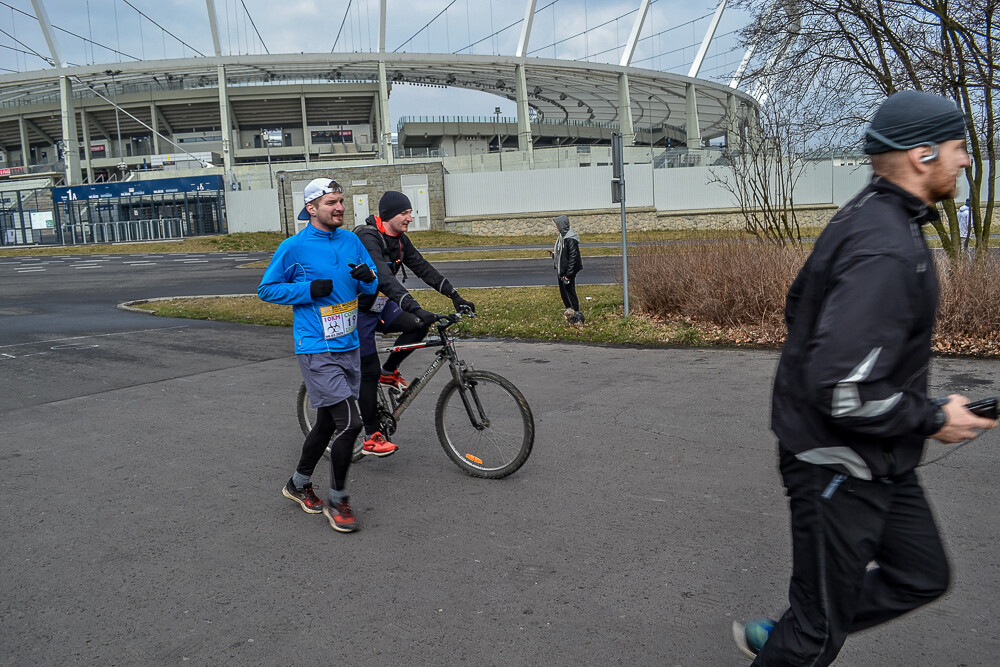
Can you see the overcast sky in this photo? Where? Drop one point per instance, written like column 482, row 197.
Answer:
column 108, row 31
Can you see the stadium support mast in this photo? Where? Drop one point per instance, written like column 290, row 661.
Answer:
column 70, row 148
column 624, row 98
column 225, row 121
column 385, row 130
column 524, row 141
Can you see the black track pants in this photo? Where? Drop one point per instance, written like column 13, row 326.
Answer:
column 840, row 524
column 568, row 294
column 413, row 331
column 342, row 422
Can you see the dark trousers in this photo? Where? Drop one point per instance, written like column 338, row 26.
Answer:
column 328, row 418
column 413, row 331
column 568, row 293
column 840, row 524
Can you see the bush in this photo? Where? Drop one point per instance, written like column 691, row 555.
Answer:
column 738, row 289
column 969, row 306
column 729, row 284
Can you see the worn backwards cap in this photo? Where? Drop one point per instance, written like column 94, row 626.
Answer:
column 912, row 118
column 316, row 189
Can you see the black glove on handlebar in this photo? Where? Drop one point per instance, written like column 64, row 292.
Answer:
column 425, row 316
column 461, row 304
column 362, row 272
column 320, row 287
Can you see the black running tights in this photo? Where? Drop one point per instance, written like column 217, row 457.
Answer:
column 346, row 415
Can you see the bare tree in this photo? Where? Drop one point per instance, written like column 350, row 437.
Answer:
column 761, row 174
column 856, row 52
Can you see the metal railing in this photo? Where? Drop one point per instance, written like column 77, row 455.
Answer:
column 126, row 230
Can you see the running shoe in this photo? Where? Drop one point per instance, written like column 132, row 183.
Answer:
column 393, row 379
column 752, row 635
column 341, row 516
column 304, row 497
column 377, row 445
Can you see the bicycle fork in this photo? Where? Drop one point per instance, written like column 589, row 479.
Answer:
column 466, row 388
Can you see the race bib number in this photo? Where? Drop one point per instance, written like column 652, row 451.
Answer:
column 339, row 320
column 379, row 304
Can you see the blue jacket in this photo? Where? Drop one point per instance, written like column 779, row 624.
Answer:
column 328, row 324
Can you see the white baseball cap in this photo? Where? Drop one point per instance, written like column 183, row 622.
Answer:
column 316, row 189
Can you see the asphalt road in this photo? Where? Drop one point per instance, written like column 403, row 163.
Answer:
column 142, row 520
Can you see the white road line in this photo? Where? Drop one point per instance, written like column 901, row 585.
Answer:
column 86, row 266
column 31, row 270
column 142, row 263
column 117, row 333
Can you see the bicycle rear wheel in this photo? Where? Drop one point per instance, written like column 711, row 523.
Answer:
column 503, row 443
column 307, row 417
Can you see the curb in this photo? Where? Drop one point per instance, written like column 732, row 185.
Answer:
column 131, row 306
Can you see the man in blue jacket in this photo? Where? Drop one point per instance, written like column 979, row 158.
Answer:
column 850, row 405
column 320, row 272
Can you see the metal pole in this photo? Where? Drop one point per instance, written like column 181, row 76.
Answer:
column 652, row 165
column 624, row 247
column 267, row 144
column 499, row 145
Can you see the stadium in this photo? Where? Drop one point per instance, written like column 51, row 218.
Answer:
column 114, row 149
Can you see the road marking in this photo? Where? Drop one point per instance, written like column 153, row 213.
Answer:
column 86, row 266
column 141, row 263
column 118, row 333
column 31, row 270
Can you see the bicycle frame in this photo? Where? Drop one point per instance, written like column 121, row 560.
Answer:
column 399, row 401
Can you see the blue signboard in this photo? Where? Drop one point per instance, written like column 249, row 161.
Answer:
column 162, row 186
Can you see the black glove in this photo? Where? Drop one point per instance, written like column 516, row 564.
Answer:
column 461, row 304
column 425, row 316
column 564, row 279
column 362, row 272
column 320, row 287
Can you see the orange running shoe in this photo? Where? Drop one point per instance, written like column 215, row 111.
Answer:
column 394, row 379
column 377, row 445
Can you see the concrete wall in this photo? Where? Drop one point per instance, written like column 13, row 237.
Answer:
column 372, row 180
column 638, row 219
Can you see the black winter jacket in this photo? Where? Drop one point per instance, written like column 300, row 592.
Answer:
column 390, row 254
column 851, row 386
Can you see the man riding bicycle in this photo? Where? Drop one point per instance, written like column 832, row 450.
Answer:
column 394, row 310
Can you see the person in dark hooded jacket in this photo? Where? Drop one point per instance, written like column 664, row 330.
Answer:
column 850, row 405
column 567, row 263
column 393, row 310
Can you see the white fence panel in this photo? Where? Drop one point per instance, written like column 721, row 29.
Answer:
column 510, row 192
column 848, row 180
column 253, row 211
column 691, row 188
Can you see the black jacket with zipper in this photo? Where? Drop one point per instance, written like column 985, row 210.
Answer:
column 850, row 391
column 391, row 254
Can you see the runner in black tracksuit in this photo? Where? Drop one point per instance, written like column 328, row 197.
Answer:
column 394, row 310
column 850, row 406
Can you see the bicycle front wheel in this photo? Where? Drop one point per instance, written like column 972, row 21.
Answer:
column 502, row 441
column 307, row 417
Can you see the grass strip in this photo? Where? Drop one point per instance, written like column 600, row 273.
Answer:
column 533, row 313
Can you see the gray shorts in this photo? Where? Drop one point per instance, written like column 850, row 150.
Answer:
column 331, row 377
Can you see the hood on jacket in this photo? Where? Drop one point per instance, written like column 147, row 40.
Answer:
column 562, row 223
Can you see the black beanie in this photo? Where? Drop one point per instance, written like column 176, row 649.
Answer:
column 392, row 204
column 912, row 118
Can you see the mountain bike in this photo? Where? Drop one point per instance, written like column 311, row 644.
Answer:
column 483, row 421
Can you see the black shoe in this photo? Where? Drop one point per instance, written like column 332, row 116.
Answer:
column 304, row 497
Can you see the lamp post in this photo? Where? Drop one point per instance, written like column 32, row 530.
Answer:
column 114, row 95
column 266, row 138
column 496, row 112
column 652, row 165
